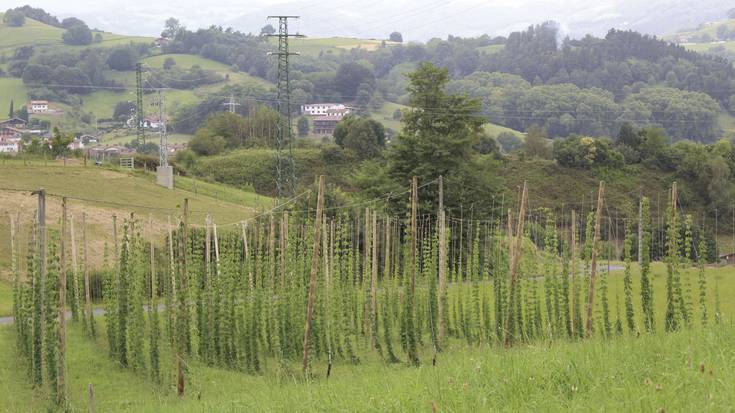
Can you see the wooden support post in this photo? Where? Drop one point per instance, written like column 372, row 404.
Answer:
column 75, row 266
column 593, row 271
column 90, row 398
column 61, row 381
column 573, row 268
column 442, row 260
column 515, row 261
column 414, row 235
column 366, row 274
column 42, row 256
column 85, row 268
column 374, row 282
column 313, row 275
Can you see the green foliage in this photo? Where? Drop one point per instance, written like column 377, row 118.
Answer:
column 536, row 145
column 14, row 18
column 646, row 284
column 627, row 279
column 77, row 34
column 586, row 153
column 122, row 59
column 363, row 137
column 302, row 126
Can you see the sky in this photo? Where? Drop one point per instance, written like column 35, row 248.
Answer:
column 417, row 20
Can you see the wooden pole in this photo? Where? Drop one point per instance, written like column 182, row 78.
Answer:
column 573, row 267
column 314, row 271
column 61, row 382
column 593, row 272
column 42, row 256
column 90, row 398
column 85, row 268
column 414, row 210
column 516, row 257
column 374, row 282
column 442, row 260
column 75, row 266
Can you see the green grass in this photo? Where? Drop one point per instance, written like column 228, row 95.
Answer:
column 652, row 372
column 709, row 29
column 385, row 116
column 11, row 88
column 312, row 46
column 6, row 299
column 123, row 136
column 103, row 192
column 491, row 49
column 41, row 35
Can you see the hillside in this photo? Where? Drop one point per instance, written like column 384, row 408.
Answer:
column 102, row 192
column 37, row 34
column 715, row 37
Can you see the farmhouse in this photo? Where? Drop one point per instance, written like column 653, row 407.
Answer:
column 324, row 125
column 101, row 152
column 320, row 109
column 10, row 133
column 728, row 259
column 38, row 106
column 17, row 123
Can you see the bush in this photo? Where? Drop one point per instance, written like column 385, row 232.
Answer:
column 14, row 18
column 586, row 153
column 206, row 144
column 122, row 59
column 78, row 35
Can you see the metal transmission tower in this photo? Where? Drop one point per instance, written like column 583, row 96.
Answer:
column 140, row 133
column 164, row 172
column 285, row 169
column 231, row 104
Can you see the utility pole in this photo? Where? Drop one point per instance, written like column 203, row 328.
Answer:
column 231, row 104
column 285, row 169
column 140, row 133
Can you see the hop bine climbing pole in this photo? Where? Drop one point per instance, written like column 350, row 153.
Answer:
column 285, row 169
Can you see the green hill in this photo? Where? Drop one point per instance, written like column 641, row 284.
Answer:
column 37, row 34
column 102, row 192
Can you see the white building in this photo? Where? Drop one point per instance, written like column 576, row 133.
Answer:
column 9, row 146
column 321, row 109
column 38, row 106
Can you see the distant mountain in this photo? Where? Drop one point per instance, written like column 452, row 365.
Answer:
column 417, row 20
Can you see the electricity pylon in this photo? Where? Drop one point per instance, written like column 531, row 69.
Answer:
column 140, row 133
column 285, row 169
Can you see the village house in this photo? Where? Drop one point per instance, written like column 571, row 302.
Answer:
column 9, row 146
column 103, row 152
column 340, row 113
column 38, row 106
column 727, row 259
column 10, row 133
column 320, row 109
column 17, row 123
column 325, row 125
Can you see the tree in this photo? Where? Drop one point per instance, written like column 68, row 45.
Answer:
column 303, row 126
column 628, row 136
column 60, row 143
column 350, row 76
column 586, row 153
column 22, row 113
column 123, row 111
column 14, row 18
column 77, row 35
column 508, row 141
column 396, row 37
column 267, row 30
column 364, row 137
column 70, row 22
column 207, row 144
column 171, row 28
column 439, row 132
column 122, row 59
column 98, row 37
column 536, row 145
column 10, row 112
column 169, row 63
